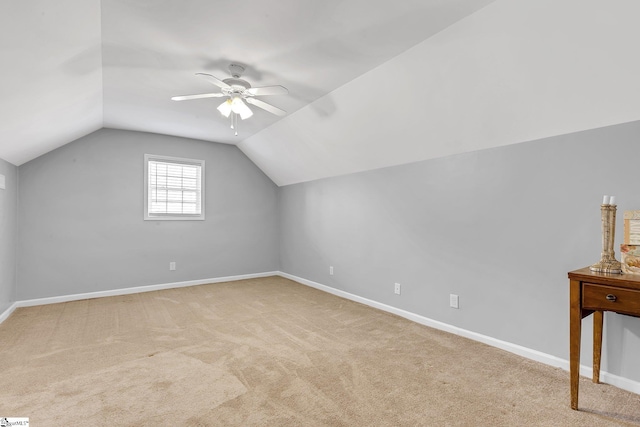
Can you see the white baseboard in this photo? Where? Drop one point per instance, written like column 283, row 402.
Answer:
column 614, row 380
column 134, row 290
column 5, row 314
column 547, row 359
column 538, row 356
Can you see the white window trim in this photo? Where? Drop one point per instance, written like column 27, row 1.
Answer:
column 175, row 217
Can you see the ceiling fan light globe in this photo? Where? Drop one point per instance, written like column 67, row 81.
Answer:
column 240, row 108
column 245, row 114
column 236, row 104
column 225, row 108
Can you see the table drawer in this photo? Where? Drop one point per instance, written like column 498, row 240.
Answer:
column 596, row 297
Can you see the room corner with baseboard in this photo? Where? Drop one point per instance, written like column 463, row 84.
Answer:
column 8, row 236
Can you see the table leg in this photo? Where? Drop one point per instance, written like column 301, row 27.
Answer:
column 597, row 344
column 575, row 331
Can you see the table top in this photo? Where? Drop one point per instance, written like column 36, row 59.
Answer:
column 631, row 281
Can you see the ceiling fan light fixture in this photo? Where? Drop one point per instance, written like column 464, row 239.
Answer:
column 225, row 108
column 240, row 108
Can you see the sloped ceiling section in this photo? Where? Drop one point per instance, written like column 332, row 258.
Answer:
column 73, row 66
column 153, row 48
column 51, row 75
column 517, row 70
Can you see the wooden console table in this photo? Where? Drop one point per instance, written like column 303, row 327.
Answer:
column 596, row 293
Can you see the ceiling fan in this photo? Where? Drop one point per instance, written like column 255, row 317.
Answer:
column 239, row 93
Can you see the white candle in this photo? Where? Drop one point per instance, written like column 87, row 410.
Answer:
column 605, row 200
column 612, row 201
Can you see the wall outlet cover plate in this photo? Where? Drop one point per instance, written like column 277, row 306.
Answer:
column 454, row 301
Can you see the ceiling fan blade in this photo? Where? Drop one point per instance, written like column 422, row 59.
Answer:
column 270, row 108
column 216, row 81
column 201, row 95
column 268, row 90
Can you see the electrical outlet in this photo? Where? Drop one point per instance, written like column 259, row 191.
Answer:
column 172, row 265
column 331, row 270
column 396, row 288
column 454, row 301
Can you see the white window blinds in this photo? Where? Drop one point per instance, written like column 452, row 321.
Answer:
column 174, row 188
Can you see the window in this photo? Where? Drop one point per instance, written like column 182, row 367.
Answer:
column 174, row 188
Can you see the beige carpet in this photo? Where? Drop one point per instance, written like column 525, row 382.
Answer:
column 271, row 352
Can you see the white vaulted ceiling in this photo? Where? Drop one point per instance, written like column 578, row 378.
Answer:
column 372, row 83
column 50, row 75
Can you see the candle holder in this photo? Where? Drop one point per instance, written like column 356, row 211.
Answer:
column 608, row 262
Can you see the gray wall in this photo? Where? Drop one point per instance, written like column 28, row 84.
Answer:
column 501, row 228
column 81, row 225
column 8, row 226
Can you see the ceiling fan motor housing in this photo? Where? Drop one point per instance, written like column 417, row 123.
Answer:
column 237, row 85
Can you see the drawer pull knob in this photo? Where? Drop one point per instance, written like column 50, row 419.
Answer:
column 611, row 297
